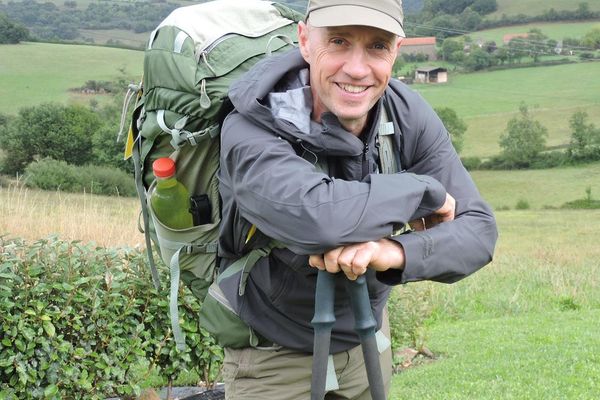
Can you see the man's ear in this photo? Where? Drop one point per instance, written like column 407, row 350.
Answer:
column 303, row 40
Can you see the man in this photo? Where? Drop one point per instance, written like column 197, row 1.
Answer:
column 301, row 161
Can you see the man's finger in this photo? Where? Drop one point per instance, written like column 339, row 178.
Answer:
column 331, row 260
column 316, row 261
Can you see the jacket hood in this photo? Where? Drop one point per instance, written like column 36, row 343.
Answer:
column 275, row 94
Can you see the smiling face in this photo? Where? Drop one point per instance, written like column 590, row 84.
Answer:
column 350, row 67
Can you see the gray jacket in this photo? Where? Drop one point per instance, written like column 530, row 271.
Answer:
column 272, row 158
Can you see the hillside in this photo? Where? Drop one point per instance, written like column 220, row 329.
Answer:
column 537, row 7
column 553, row 30
column 34, row 73
column 487, row 100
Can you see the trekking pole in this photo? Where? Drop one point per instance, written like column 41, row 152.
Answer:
column 366, row 325
column 322, row 323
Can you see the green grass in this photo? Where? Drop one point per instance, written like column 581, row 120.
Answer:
column 555, row 30
column 537, row 7
column 127, row 38
column 543, row 356
column 540, row 188
column 487, row 100
column 524, row 327
column 35, row 73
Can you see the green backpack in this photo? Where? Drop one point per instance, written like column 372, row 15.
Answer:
column 191, row 59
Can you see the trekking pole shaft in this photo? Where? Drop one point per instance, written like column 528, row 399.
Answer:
column 322, row 322
column 365, row 326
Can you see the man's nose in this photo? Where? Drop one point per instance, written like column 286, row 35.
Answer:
column 356, row 65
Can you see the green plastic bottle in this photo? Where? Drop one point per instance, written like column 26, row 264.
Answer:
column 170, row 200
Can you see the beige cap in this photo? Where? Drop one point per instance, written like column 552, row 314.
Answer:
column 382, row 14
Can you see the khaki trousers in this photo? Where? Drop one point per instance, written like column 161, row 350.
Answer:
column 253, row 374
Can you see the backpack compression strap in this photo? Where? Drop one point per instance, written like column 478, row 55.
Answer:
column 242, row 265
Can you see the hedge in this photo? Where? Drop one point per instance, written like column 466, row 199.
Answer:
column 77, row 321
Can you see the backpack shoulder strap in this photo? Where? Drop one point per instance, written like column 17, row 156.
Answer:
column 389, row 154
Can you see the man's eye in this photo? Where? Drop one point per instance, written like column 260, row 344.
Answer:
column 380, row 46
column 337, row 41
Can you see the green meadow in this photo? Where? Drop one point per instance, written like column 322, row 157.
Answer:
column 35, row 73
column 537, row 7
column 487, row 100
column 554, row 30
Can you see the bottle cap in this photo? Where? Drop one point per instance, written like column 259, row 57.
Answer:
column 163, row 167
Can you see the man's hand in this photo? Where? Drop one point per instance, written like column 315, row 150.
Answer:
column 354, row 259
column 443, row 214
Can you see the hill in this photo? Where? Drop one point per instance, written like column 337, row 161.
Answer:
column 35, row 73
column 538, row 7
column 487, row 100
column 554, row 30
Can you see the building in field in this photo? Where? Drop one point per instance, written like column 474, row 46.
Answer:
column 419, row 45
column 431, row 75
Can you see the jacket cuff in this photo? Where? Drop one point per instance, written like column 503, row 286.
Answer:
column 417, row 247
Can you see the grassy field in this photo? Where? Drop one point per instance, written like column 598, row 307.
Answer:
column 127, row 38
column 524, row 327
column 556, row 31
column 544, row 188
column 487, row 100
column 35, row 73
column 537, row 7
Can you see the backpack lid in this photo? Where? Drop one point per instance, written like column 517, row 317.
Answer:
column 207, row 22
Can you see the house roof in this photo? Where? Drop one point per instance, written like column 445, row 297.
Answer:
column 510, row 36
column 418, row 41
column 431, row 69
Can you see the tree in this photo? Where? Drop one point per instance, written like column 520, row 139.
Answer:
column 592, row 39
column 484, row 7
column 536, row 44
column 11, row 32
column 478, row 59
column 455, row 126
column 60, row 132
column 523, row 140
column 449, row 47
column 585, row 138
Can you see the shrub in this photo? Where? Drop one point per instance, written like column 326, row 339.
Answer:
column 78, row 321
column 49, row 130
column 522, row 204
column 409, row 307
column 471, row 163
column 49, row 174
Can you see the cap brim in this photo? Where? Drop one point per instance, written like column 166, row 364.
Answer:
column 343, row 15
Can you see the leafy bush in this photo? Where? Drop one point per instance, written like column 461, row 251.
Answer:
column 409, row 307
column 522, row 204
column 48, row 130
column 471, row 163
column 49, row 174
column 78, row 321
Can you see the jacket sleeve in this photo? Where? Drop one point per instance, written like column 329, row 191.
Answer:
column 290, row 200
column 455, row 249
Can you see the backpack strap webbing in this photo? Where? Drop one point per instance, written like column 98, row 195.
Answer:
column 137, row 163
column 389, row 158
column 242, row 265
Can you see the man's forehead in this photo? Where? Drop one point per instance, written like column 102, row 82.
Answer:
column 355, row 30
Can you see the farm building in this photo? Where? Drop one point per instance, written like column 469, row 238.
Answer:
column 431, row 75
column 419, row 45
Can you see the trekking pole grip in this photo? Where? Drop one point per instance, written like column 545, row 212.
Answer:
column 322, row 322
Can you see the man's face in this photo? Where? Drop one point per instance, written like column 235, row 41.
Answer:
column 350, row 67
